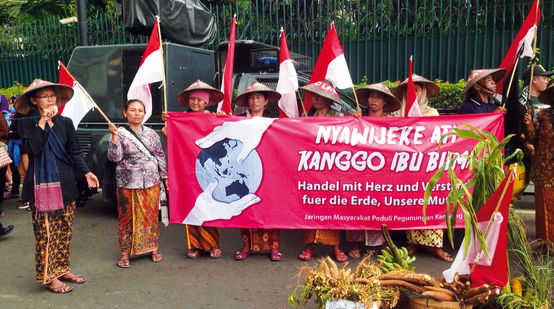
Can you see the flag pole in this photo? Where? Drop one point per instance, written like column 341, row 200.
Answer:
column 512, row 76
column 356, row 98
column 164, row 85
column 302, row 103
column 85, row 92
column 534, row 49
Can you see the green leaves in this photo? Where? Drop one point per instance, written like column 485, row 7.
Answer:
column 486, row 163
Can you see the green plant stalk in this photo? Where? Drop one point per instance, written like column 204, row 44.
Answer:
column 537, row 270
column 485, row 163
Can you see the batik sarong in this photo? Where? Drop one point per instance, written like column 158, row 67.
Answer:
column 203, row 238
column 261, row 239
column 325, row 237
column 52, row 243
column 138, row 220
column 429, row 238
column 544, row 213
column 369, row 238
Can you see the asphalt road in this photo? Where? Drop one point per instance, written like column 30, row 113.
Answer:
column 176, row 282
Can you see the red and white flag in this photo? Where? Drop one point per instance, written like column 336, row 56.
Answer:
column 151, row 70
column 491, row 217
column 287, row 85
column 412, row 105
column 331, row 64
column 523, row 40
column 227, row 83
column 80, row 104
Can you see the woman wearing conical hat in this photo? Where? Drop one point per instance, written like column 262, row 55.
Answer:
column 424, row 89
column 432, row 240
column 380, row 102
column 55, row 162
column 256, row 97
column 322, row 95
column 196, row 97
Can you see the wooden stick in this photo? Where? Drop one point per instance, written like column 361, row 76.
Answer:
column 356, row 98
column 511, row 79
column 302, row 103
column 85, row 92
column 534, row 50
column 164, row 85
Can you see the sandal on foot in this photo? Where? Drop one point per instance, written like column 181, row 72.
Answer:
column 306, row 255
column 275, row 256
column 60, row 289
column 354, row 253
column 340, row 256
column 193, row 253
column 156, row 257
column 215, row 252
column 241, row 255
column 73, row 279
column 441, row 254
column 123, row 263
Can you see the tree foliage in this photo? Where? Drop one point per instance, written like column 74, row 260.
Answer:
column 22, row 11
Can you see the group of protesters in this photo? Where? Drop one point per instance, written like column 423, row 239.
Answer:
column 48, row 141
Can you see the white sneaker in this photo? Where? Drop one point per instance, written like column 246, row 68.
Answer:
column 24, row 206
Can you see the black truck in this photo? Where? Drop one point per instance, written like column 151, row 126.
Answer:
column 107, row 72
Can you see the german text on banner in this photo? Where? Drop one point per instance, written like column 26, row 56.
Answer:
column 302, row 173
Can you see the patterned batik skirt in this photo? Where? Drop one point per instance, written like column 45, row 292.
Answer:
column 138, row 220
column 429, row 238
column 203, row 238
column 325, row 237
column 261, row 239
column 544, row 213
column 52, row 242
column 369, row 238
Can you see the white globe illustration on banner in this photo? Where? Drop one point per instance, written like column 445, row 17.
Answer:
column 234, row 179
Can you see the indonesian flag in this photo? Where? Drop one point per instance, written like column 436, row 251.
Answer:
column 288, row 82
column 491, row 271
column 227, row 83
column 151, row 70
column 412, row 106
column 331, row 64
column 523, row 41
column 80, row 104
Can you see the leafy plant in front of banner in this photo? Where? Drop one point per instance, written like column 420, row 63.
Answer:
column 486, row 165
column 533, row 289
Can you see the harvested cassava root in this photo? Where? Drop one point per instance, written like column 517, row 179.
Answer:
column 402, row 284
column 438, row 295
column 421, row 279
column 483, row 297
column 459, row 290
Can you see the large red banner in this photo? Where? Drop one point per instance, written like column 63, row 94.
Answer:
column 303, row 173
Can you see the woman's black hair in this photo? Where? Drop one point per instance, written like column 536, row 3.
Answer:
column 129, row 102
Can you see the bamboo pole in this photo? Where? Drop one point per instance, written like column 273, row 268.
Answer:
column 302, row 103
column 164, row 84
column 85, row 92
column 356, row 98
column 534, row 50
column 511, row 80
